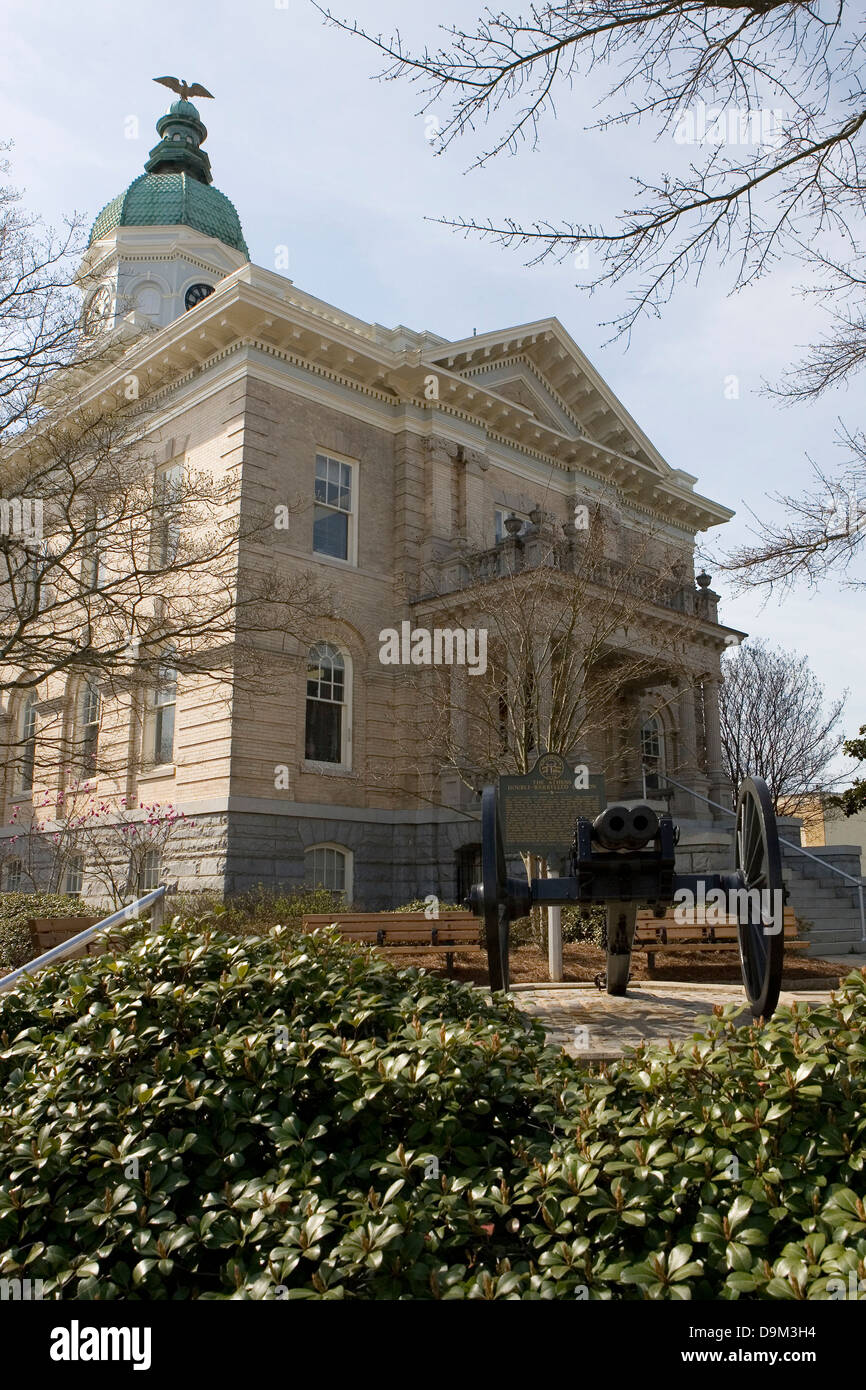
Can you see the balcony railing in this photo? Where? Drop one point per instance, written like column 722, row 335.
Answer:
column 541, row 548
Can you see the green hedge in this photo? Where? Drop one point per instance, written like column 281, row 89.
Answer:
column 16, row 908
column 160, row 1137
column 259, row 908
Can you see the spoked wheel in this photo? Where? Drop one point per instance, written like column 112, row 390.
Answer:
column 494, row 876
column 759, row 865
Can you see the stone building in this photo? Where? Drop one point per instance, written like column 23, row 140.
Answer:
column 415, row 473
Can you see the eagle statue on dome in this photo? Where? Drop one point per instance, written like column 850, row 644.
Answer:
column 183, row 88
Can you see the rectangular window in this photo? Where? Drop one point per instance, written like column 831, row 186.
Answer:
column 89, row 728
column 167, row 506
column 31, row 579
column 75, row 875
column 95, row 570
column 13, row 876
column 652, row 753
column 333, row 508
column 162, row 718
column 27, row 765
column 148, row 877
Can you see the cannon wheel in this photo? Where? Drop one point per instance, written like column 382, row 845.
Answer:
column 494, row 878
column 759, row 864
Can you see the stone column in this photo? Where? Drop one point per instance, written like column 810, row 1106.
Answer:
column 438, row 486
column 628, row 755
column 688, row 769
column 472, row 521
column 410, row 508
column 719, row 789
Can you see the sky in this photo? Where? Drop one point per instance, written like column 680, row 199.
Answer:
column 320, row 157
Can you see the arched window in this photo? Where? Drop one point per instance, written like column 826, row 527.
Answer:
column 327, row 733
column 87, row 727
column 329, row 866
column 652, row 748
column 27, row 735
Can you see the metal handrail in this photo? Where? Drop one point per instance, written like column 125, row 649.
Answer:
column 858, row 882
column 66, row 948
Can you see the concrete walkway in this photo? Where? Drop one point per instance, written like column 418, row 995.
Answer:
column 593, row 1025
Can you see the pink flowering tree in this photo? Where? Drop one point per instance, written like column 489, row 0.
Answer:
column 119, row 841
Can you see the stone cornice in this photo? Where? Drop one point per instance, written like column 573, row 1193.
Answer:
column 310, row 337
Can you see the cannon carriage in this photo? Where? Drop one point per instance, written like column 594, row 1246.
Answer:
column 624, row 858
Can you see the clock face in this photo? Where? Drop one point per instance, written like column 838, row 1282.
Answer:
column 98, row 310
column 195, row 294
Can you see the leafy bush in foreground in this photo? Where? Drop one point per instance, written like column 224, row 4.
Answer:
column 15, row 909
column 213, row 1117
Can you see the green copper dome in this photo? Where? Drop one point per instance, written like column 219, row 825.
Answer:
column 176, row 187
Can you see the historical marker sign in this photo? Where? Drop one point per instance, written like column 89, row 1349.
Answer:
column 538, row 811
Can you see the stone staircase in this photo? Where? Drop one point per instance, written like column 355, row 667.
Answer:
column 825, row 903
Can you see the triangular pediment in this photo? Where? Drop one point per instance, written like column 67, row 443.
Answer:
column 541, row 368
column 521, row 383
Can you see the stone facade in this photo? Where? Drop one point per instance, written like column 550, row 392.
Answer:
column 259, row 381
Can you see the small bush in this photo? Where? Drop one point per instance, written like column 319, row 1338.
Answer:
column 261, row 907
column 579, row 924
column 421, row 905
column 16, row 908
column 585, row 924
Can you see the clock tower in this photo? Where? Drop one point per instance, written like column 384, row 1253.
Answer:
column 160, row 247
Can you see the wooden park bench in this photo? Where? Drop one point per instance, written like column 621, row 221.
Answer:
column 449, row 932
column 655, row 934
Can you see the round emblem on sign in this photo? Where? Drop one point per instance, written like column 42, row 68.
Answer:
column 550, row 767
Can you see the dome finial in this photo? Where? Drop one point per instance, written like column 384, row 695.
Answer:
column 182, row 133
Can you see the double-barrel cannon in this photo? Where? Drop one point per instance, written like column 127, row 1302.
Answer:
column 625, row 858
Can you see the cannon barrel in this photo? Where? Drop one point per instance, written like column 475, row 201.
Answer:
column 617, row 827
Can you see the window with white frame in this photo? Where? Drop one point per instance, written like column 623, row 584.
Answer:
column 95, row 571
column 160, row 727
column 652, row 748
column 14, row 871
column 329, row 866
column 333, row 509
column 27, row 738
column 326, row 732
column 87, row 727
column 500, row 516
column 166, row 521
column 148, row 873
column 74, row 875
